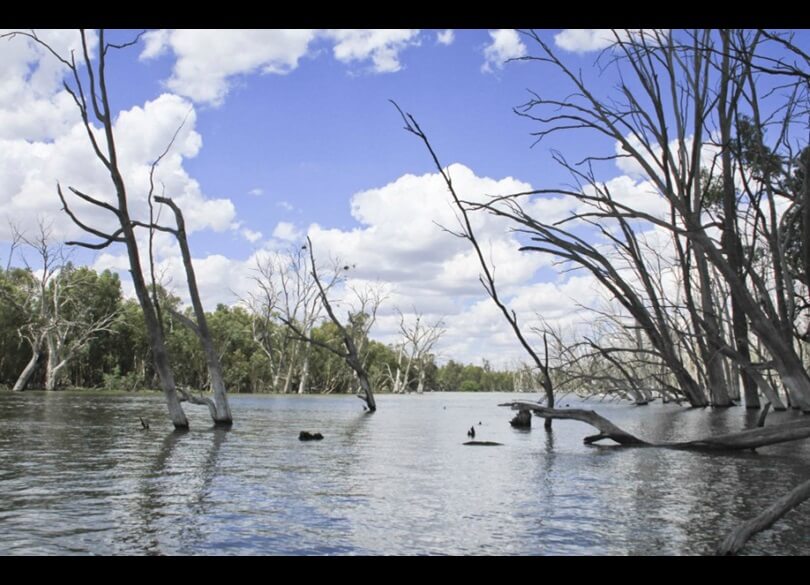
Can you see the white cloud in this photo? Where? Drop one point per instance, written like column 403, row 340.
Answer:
column 583, row 40
column 34, row 158
column 257, row 192
column 287, row 231
column 285, row 205
column 381, row 46
column 445, row 37
column 33, row 104
column 207, row 60
column 505, row 45
column 251, row 236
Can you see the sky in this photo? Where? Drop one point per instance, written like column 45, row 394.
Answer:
column 289, row 133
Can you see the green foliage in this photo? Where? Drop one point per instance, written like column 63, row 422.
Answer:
column 120, row 359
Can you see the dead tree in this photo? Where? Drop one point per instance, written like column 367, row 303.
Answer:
column 487, row 278
column 737, row 538
column 220, row 409
column 33, row 303
column 70, row 326
column 739, row 441
column 286, row 288
column 418, row 341
column 87, row 86
column 351, row 354
column 670, row 156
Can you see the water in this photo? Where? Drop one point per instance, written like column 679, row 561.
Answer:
column 79, row 476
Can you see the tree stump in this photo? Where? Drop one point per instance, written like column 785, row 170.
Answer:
column 523, row 420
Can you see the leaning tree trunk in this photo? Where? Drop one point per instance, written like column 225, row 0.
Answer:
column 25, row 375
column 223, row 410
column 368, row 395
column 740, row 535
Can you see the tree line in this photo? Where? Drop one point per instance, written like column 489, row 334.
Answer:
column 71, row 326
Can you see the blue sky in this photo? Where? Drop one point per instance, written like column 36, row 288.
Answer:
column 291, row 133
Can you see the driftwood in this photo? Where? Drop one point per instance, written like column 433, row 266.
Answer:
column 740, row 535
column 741, row 440
column 483, row 443
column 307, row 436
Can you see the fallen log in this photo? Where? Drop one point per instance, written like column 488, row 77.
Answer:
column 483, row 443
column 737, row 441
column 740, row 535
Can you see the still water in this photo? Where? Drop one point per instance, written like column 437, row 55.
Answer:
column 78, row 475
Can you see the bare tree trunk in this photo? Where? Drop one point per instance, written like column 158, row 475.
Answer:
column 740, row 535
column 25, row 375
column 739, row 441
column 365, row 387
column 714, row 360
column 223, row 410
column 730, row 240
column 302, row 383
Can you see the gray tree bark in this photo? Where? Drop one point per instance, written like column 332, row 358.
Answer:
column 222, row 414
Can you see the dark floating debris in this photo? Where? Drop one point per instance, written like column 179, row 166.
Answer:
column 483, row 443
column 523, row 420
column 307, row 436
column 144, row 423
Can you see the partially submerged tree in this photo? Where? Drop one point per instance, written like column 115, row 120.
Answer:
column 415, row 347
column 487, row 276
column 661, row 119
column 352, row 334
column 287, row 290
column 87, row 85
column 219, row 408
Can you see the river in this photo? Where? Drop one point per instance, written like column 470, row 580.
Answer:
column 78, row 475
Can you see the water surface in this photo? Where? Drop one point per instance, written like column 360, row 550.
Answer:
column 79, row 476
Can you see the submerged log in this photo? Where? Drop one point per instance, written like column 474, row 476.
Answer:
column 748, row 439
column 740, row 535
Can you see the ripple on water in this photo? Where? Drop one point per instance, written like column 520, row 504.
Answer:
column 80, row 476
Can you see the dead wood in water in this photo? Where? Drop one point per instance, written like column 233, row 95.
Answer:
column 741, row 440
column 740, row 535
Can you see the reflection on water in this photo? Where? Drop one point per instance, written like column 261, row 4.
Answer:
column 78, row 475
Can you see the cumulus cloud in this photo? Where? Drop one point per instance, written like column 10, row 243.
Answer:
column 380, row 46
column 34, row 158
column 251, row 236
column 445, row 37
column 208, row 61
column 287, row 231
column 33, row 104
column 505, row 45
column 584, row 40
